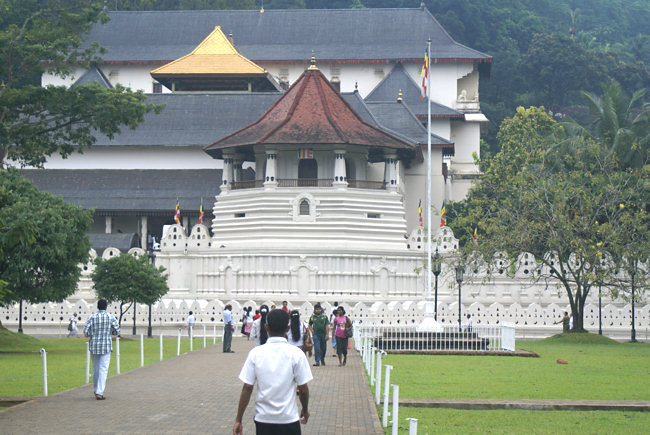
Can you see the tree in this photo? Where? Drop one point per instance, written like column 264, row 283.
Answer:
column 555, row 197
column 128, row 279
column 35, row 122
column 44, row 243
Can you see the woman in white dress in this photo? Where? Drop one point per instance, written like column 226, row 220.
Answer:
column 72, row 326
column 258, row 332
column 296, row 333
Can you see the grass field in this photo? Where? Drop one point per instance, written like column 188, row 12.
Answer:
column 598, row 369
column 21, row 370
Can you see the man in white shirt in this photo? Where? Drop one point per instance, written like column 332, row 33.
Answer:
column 278, row 368
column 228, row 327
column 190, row 321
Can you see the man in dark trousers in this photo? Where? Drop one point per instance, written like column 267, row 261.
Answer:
column 319, row 327
column 278, row 368
column 99, row 328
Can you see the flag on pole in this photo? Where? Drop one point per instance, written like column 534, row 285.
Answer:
column 420, row 213
column 425, row 74
column 443, row 215
column 177, row 212
column 475, row 237
column 201, row 214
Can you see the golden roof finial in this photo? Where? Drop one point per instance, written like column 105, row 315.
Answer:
column 399, row 96
column 313, row 62
column 356, row 86
column 231, row 39
column 262, row 8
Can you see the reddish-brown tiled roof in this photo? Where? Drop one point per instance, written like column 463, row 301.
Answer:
column 311, row 112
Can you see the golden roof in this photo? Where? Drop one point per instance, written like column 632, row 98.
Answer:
column 215, row 55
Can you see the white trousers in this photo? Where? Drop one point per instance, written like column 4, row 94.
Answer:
column 100, row 371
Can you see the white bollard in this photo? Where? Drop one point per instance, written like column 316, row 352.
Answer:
column 384, row 417
column 214, row 334
column 413, row 426
column 44, row 358
column 191, row 338
column 203, row 336
column 378, row 378
column 161, row 347
column 141, row 350
column 178, row 345
column 87, row 363
column 395, row 409
column 372, row 365
column 117, row 354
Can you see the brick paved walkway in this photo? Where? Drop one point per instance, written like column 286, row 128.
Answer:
column 194, row 393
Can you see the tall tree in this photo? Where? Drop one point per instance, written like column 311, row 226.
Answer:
column 128, row 279
column 555, row 197
column 38, row 36
column 44, row 244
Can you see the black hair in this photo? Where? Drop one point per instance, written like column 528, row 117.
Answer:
column 102, row 304
column 191, row 313
column 340, row 308
column 264, row 309
column 278, row 320
column 295, row 325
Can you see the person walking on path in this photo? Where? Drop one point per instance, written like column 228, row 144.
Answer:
column 190, row 322
column 228, row 328
column 332, row 317
column 99, row 327
column 565, row 322
column 285, row 307
column 248, row 322
column 72, row 326
column 297, row 330
column 278, row 368
column 319, row 327
column 258, row 332
column 342, row 324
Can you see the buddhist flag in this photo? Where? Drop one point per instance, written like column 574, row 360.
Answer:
column 425, row 74
column 443, row 214
column 177, row 212
column 201, row 214
column 420, row 213
column 475, row 237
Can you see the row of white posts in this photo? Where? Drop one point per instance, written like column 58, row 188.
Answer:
column 117, row 353
column 372, row 359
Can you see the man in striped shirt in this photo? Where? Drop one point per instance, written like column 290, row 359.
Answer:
column 99, row 327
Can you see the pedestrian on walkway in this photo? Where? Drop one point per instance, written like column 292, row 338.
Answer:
column 342, row 324
column 72, row 326
column 332, row 316
column 228, row 328
column 319, row 327
column 99, row 327
column 258, row 332
column 285, row 306
column 469, row 322
column 278, row 368
column 296, row 333
column 247, row 322
column 190, row 322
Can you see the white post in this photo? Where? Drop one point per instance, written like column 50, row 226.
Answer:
column 384, row 417
column 203, row 336
column 161, row 347
column 372, row 366
column 214, row 334
column 87, row 363
column 378, row 380
column 141, row 350
column 178, row 345
column 395, row 409
column 117, row 354
column 191, row 338
column 44, row 358
column 413, row 426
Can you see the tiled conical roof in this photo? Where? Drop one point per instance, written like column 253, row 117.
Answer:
column 310, row 112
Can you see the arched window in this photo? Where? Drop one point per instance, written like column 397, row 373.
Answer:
column 304, row 207
column 307, row 172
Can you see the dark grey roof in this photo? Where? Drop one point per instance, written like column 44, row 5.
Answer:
column 194, row 119
column 354, row 99
column 398, row 79
column 397, row 117
column 94, row 75
column 131, row 191
column 277, row 35
column 121, row 241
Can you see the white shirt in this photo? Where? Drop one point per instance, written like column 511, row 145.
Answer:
column 255, row 330
column 278, row 368
column 190, row 320
column 297, row 342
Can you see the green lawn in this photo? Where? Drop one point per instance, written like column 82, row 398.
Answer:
column 598, row 369
column 21, row 365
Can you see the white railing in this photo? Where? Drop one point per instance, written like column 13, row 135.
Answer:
column 406, row 338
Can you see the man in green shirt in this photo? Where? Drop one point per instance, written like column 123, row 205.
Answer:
column 319, row 327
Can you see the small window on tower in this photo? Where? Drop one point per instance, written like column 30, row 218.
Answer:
column 304, row 207
column 157, row 88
